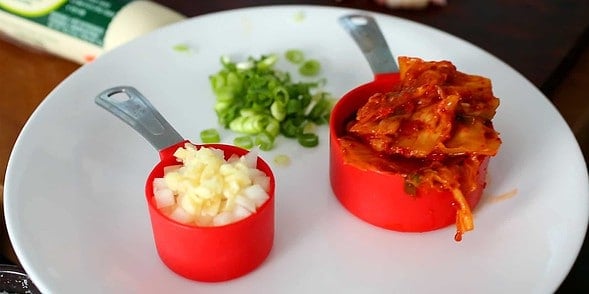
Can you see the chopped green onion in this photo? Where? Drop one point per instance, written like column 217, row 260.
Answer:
column 293, row 106
column 185, row 48
column 289, row 128
column 295, row 56
column 308, row 127
column 265, row 141
column 273, row 127
column 244, row 142
column 280, row 94
column 255, row 99
column 308, row 139
column 252, row 124
column 321, row 109
column 248, row 112
column 310, row 68
column 226, row 61
column 210, row 136
column 244, row 65
column 278, row 110
column 267, row 61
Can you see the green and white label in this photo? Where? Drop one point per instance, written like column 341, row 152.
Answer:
column 87, row 20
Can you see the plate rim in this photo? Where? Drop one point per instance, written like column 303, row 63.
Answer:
column 30, row 121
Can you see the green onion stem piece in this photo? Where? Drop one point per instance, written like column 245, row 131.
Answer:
column 210, row 136
column 243, row 142
column 278, row 110
column 295, row 56
column 310, row 68
column 308, row 140
column 265, row 141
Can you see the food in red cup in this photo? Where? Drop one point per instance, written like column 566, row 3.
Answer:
column 212, row 236
column 412, row 155
column 211, row 206
column 206, row 189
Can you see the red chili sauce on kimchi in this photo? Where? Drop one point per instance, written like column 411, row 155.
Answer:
column 434, row 128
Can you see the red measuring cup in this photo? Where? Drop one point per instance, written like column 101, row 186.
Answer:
column 209, row 254
column 374, row 196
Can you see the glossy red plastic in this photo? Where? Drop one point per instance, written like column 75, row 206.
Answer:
column 377, row 197
column 212, row 254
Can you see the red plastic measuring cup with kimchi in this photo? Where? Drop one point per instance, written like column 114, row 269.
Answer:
column 409, row 152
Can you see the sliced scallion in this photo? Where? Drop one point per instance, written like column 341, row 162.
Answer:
column 210, row 136
column 310, row 67
column 295, row 56
column 243, row 142
column 308, row 139
column 265, row 141
column 255, row 99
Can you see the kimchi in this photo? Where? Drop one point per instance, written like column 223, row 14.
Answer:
column 434, row 128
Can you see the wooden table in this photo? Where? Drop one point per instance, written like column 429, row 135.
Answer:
column 541, row 39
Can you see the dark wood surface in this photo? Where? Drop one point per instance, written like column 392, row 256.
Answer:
column 541, row 39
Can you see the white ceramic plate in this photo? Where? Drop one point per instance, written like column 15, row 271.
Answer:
column 75, row 207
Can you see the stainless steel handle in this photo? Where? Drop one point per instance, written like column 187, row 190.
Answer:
column 133, row 108
column 369, row 38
